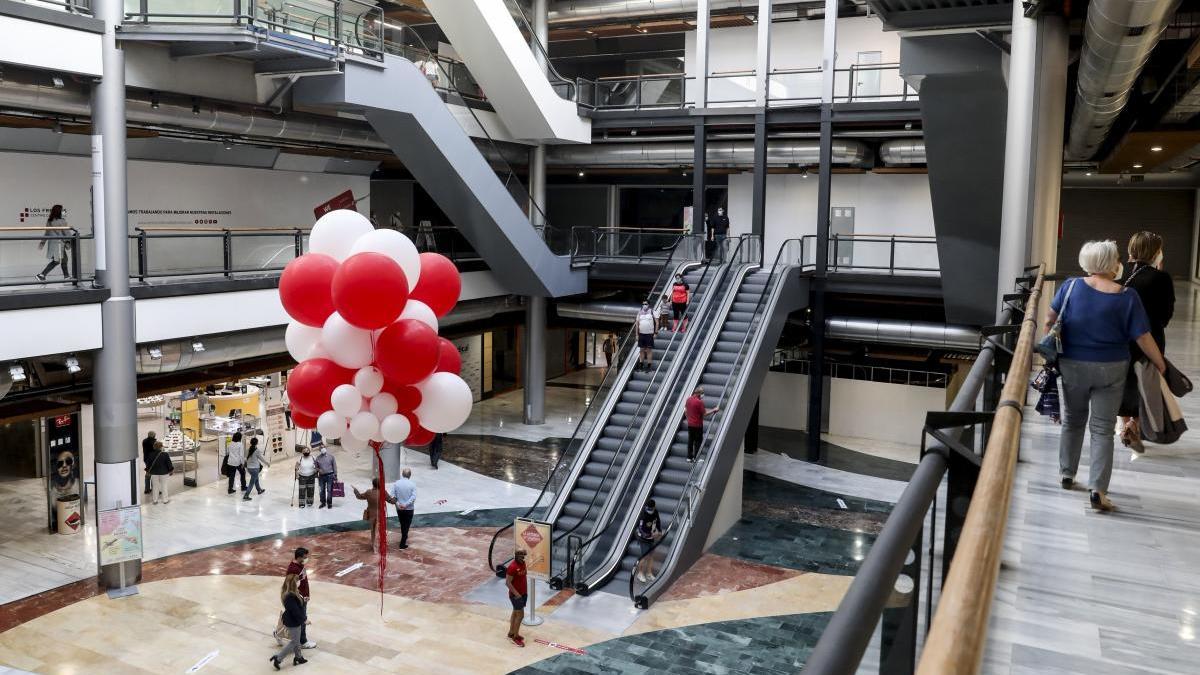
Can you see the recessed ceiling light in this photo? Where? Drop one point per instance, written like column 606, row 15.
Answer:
column 1088, row 173
column 581, row 174
column 1137, row 166
column 73, row 365
column 1156, row 148
column 17, row 373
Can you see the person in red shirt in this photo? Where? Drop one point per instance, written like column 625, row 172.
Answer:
column 296, row 567
column 695, row 412
column 680, row 294
column 518, row 595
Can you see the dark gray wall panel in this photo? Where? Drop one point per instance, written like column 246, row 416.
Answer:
column 1118, row 213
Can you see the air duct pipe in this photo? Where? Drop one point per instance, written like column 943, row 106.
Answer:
column 720, row 154
column 898, row 332
column 605, row 312
column 903, row 151
column 1117, row 42
column 579, row 11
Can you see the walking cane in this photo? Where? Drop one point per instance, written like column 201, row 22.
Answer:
column 295, row 480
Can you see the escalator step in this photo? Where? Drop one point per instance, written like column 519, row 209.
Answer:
column 674, row 477
column 664, row 491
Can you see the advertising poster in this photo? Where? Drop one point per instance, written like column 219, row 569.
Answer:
column 120, row 533
column 470, row 349
column 343, row 201
column 63, row 483
column 534, row 538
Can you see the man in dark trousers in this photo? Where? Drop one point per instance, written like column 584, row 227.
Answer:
column 405, row 492
column 696, row 412
column 435, row 450
column 148, row 453
column 718, row 230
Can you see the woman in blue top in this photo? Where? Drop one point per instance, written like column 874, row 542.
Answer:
column 1100, row 319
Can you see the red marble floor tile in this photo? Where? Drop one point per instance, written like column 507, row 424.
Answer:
column 715, row 574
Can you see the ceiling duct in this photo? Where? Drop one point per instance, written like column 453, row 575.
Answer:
column 606, row 312
column 899, row 332
column 593, row 11
column 1117, row 41
column 176, row 355
column 786, row 152
column 902, row 152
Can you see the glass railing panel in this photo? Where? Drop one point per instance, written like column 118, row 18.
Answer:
column 261, row 253
column 70, row 6
column 188, row 11
column 178, row 254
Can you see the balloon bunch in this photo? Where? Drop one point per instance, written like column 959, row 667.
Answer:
column 365, row 307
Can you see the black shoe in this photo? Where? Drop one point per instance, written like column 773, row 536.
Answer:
column 1068, row 483
column 403, row 546
column 275, row 662
column 301, row 506
column 299, row 661
column 322, row 505
column 246, row 498
column 231, row 492
column 260, row 491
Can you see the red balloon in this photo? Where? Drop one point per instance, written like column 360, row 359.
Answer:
column 419, row 435
column 305, row 288
column 407, row 351
column 407, row 397
column 312, row 382
column 369, row 290
column 449, row 360
column 304, row 421
column 439, row 285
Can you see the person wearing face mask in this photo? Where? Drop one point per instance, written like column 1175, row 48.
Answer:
column 645, row 330
column 1099, row 320
column 1157, row 292
column 254, row 466
column 647, row 531
column 718, row 229
column 326, row 475
column 306, row 474
column 680, row 294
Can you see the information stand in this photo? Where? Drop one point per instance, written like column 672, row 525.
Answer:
column 535, row 538
column 119, row 540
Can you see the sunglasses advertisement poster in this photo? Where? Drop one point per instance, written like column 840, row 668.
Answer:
column 63, row 483
column 533, row 538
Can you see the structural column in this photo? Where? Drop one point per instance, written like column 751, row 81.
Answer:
column 700, row 147
column 1020, row 169
column 535, row 307
column 114, row 383
column 762, row 98
column 1051, row 111
column 816, row 371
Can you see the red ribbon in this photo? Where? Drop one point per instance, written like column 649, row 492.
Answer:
column 381, row 520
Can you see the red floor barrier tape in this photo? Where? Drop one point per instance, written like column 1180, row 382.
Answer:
column 381, row 520
column 565, row 648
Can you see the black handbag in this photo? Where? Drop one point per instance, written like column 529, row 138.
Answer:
column 226, row 470
column 1050, row 346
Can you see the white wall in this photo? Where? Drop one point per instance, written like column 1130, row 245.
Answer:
column 166, row 194
column 41, row 45
column 49, row 330
column 794, row 45
column 857, row 408
column 883, row 204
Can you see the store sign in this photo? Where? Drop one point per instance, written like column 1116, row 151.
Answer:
column 120, row 535
column 534, row 538
column 470, row 350
column 63, row 484
column 342, row 201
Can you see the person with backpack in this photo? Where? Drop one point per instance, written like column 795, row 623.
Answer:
column 644, row 325
column 680, row 295
column 160, row 468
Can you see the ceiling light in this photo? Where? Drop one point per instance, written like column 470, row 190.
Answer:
column 155, row 353
column 17, row 372
column 73, row 365
column 1088, row 173
column 197, row 346
column 1137, row 166
column 195, row 107
column 581, row 174
column 58, row 82
column 57, row 126
column 154, row 100
column 1156, row 148
column 804, row 174
column 228, row 145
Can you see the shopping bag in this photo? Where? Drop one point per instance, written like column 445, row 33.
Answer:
column 339, row 488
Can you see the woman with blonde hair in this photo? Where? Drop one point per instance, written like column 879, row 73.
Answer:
column 295, row 617
column 1099, row 319
column 1157, row 292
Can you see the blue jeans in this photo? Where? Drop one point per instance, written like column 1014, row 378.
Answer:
column 253, row 484
column 326, row 488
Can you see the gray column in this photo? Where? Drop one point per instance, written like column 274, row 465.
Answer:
column 535, row 360
column 612, row 220
column 762, row 61
column 115, row 380
column 700, row 84
column 1019, row 144
column 541, row 30
column 762, row 97
column 699, row 175
column 1051, row 111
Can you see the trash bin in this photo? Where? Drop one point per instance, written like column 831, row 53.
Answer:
column 68, row 516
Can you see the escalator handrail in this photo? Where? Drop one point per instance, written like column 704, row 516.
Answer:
column 680, row 248
column 710, row 305
column 668, row 375
column 697, row 480
column 572, row 85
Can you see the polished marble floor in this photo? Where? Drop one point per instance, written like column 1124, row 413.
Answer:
column 1088, row 592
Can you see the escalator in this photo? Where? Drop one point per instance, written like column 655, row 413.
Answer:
column 731, row 364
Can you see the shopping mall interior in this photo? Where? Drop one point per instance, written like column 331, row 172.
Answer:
column 566, row 281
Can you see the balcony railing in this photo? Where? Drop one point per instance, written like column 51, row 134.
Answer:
column 70, row 6
column 624, row 244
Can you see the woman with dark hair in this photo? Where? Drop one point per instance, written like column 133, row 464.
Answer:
column 56, row 247
column 1145, row 276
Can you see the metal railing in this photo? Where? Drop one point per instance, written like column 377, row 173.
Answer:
column 26, row 251
column 688, row 249
column 786, row 86
column 892, row 254
column 791, row 361
column 339, row 25
column 638, row 244
column 885, row 595
column 69, row 6
column 565, row 87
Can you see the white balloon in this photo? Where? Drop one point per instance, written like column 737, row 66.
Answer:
column 318, row 351
column 415, row 309
column 336, row 232
column 395, row 246
column 331, row 425
column 364, row 425
column 395, row 428
column 346, row 400
column 301, row 339
column 348, row 346
column 369, row 381
column 384, row 404
column 445, row 402
column 350, row 442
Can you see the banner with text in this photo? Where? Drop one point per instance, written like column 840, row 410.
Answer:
column 534, row 538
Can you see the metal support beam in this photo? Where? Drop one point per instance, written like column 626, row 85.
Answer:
column 535, row 360
column 816, row 377
column 758, row 195
column 541, row 31
column 115, row 379
column 701, row 79
column 762, row 70
column 699, row 176
column 1019, row 151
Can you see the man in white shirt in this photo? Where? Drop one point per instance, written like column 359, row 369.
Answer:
column 405, row 492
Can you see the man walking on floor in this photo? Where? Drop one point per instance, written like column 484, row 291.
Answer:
column 296, row 567
column 695, row 412
column 405, row 492
column 148, row 453
column 518, row 594
column 435, row 450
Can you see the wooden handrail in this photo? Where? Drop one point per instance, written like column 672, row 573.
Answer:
column 958, row 635
column 232, row 230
